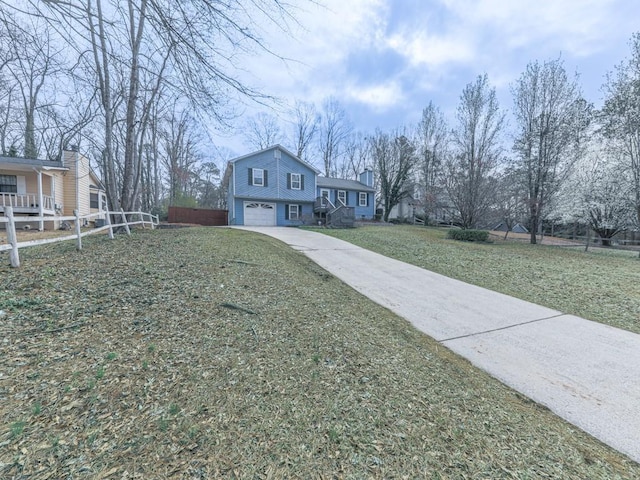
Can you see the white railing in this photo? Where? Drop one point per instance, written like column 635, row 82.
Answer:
column 127, row 219
column 26, row 200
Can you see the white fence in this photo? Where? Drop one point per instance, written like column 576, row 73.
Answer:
column 127, row 219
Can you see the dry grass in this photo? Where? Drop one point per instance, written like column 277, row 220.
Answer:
column 601, row 285
column 215, row 353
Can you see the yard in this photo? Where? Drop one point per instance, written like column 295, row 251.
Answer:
column 218, row 353
column 601, row 285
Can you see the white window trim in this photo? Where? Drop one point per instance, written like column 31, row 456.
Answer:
column 343, row 200
column 362, row 196
column 254, row 181
column 291, row 212
column 296, row 178
column 322, row 195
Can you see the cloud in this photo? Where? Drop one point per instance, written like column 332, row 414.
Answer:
column 386, row 59
column 431, row 50
column 379, row 97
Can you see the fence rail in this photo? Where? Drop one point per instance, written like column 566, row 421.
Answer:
column 126, row 220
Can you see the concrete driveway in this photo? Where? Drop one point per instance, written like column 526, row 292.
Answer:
column 585, row 372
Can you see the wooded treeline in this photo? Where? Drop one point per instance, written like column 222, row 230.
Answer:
column 558, row 161
column 134, row 84
column 131, row 83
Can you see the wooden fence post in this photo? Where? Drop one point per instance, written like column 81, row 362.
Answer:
column 79, row 240
column 124, row 219
column 14, row 257
column 108, row 220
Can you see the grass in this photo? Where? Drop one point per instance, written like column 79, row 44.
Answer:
column 316, row 382
column 601, row 285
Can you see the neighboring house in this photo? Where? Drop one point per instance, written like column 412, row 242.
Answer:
column 406, row 209
column 274, row 187
column 50, row 188
column 517, row 228
column 410, row 203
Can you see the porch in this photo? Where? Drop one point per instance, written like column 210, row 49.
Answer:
column 28, row 203
column 332, row 215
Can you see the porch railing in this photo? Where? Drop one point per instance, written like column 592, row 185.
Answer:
column 323, row 204
column 26, row 200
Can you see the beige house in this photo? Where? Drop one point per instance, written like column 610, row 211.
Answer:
column 48, row 188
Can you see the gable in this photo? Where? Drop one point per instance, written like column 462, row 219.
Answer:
column 272, row 173
column 270, row 153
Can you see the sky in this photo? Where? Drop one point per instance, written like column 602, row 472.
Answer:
column 385, row 60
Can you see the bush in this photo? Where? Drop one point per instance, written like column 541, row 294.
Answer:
column 468, row 235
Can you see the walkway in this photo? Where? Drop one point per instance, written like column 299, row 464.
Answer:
column 585, row 372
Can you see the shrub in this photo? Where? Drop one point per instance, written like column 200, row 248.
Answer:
column 468, row 235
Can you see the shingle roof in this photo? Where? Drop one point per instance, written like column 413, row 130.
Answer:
column 342, row 184
column 31, row 161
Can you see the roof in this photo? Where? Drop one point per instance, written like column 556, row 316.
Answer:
column 343, row 184
column 33, row 162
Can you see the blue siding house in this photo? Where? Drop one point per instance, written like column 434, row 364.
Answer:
column 274, row 187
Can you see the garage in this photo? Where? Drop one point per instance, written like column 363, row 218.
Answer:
column 259, row 214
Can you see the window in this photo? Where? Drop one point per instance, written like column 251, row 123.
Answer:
column 93, row 200
column 8, row 184
column 363, row 199
column 258, row 177
column 324, row 193
column 294, row 212
column 296, row 181
column 342, row 196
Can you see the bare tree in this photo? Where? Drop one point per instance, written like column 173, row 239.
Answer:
column 476, row 151
column 335, row 129
column 262, row 131
column 621, row 116
column 432, row 140
column 33, row 61
column 356, row 156
column 394, row 157
column 181, row 157
column 125, row 43
column 305, row 127
column 551, row 118
column 209, row 192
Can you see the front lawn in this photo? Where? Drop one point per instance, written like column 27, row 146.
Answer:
column 601, row 286
column 218, row 353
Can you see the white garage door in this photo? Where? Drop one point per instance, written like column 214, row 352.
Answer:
column 259, row 214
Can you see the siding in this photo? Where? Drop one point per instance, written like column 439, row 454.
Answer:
column 276, row 188
column 352, row 201
column 307, row 214
column 84, row 180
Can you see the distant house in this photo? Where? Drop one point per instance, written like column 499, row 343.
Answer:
column 405, row 209
column 517, row 228
column 50, row 188
column 274, row 187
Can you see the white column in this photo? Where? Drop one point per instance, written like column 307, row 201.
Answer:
column 40, row 202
